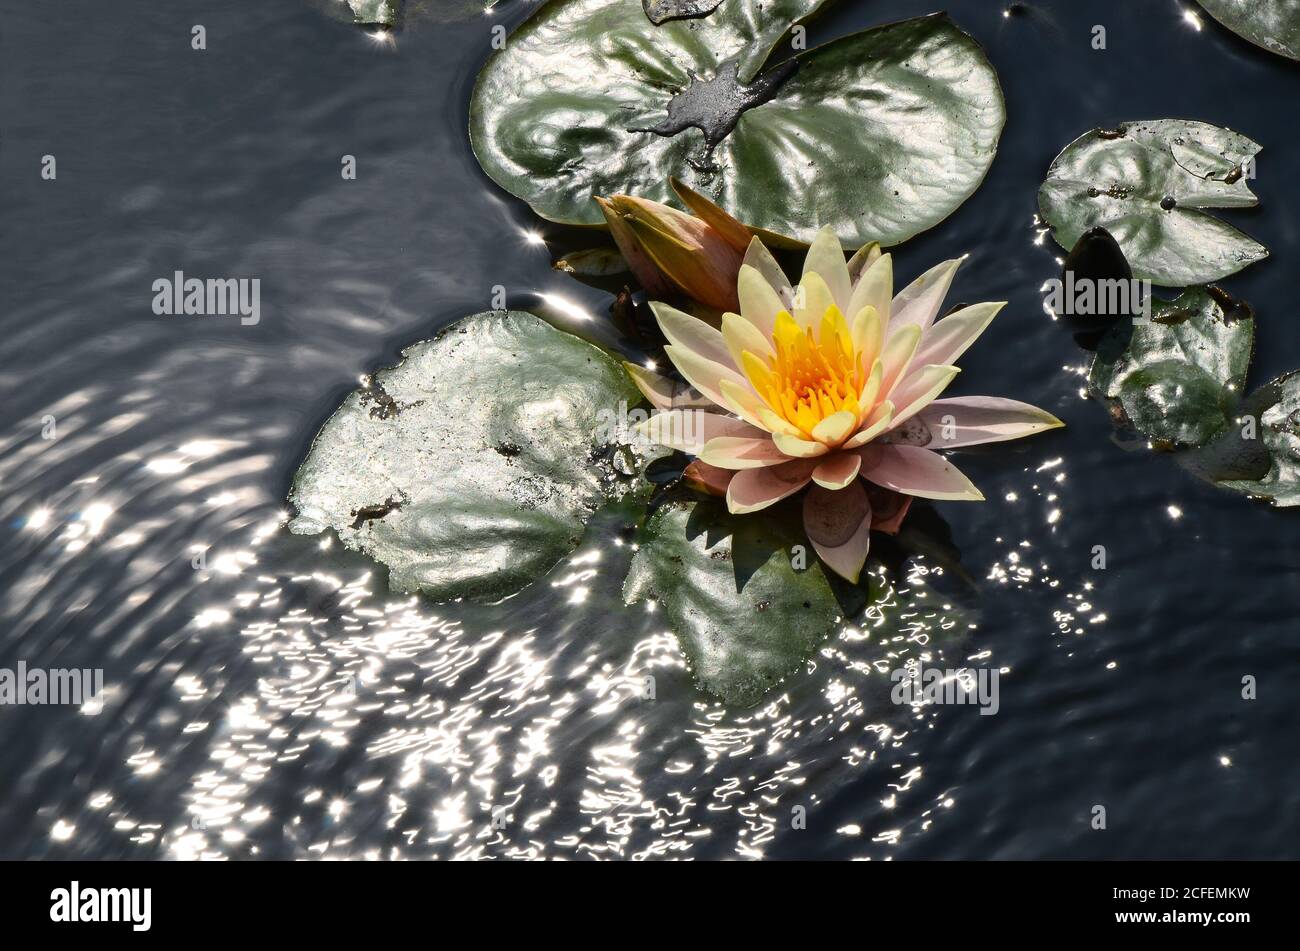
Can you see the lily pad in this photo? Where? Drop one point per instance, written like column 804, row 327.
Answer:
column 745, row 616
column 882, row 134
column 1279, row 430
column 471, row 468
column 1177, row 376
column 1272, row 24
column 660, row 11
column 1147, row 183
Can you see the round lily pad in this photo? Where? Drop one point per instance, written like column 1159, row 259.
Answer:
column 1272, row 24
column 471, row 468
column 882, row 134
column 748, row 607
column 1147, row 183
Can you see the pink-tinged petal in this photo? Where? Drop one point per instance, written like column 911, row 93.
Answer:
column 664, row 392
column 811, row 301
column 690, row 429
column 918, row 303
column 973, row 420
column 758, row 257
column 919, row 390
column 875, row 289
column 759, row 303
column 704, row 374
column 835, row 428
column 877, row 422
column 949, row 338
column 754, row 489
column 798, row 447
column 888, row 509
column 862, row 259
column 690, row 333
column 900, row 347
column 826, row 259
column 838, row 523
column 777, row 424
column 838, row 470
column 729, row 452
column 740, row 336
column 915, row 471
column 708, row 479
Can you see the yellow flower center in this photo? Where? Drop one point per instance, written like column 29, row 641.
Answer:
column 813, row 375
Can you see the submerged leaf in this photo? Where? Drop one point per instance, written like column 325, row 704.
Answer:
column 1177, row 375
column 1278, row 426
column 471, row 468
column 885, row 132
column 746, row 617
column 1146, row 183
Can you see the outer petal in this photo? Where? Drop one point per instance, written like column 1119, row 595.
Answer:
column 888, row 509
column 838, row 470
column 972, row 420
column 730, row 452
column 915, row 471
column 826, row 259
column 690, row 429
column 754, row 489
column 740, row 335
column 708, row 479
column 759, row 302
column 691, row 333
column 949, row 338
column 706, row 375
column 875, row 289
column 838, row 524
column 643, row 267
column 664, row 392
column 900, row 348
column 919, row 302
column 758, row 257
column 919, row 390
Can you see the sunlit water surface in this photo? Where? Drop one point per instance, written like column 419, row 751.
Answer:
column 267, row 696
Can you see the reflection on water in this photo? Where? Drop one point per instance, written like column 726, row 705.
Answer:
column 267, row 696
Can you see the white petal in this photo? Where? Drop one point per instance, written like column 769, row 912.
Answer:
column 826, row 259
column 919, row 302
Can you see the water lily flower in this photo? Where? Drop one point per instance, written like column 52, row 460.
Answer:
column 672, row 252
column 835, row 385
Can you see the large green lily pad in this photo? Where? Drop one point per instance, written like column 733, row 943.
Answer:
column 1272, row 24
column 745, row 616
column 1177, row 376
column 471, row 468
column 881, row 134
column 1148, row 183
column 1279, row 429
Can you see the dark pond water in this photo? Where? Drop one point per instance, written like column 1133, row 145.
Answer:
column 281, row 703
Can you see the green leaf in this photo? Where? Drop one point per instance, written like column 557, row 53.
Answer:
column 1272, row 24
column 1146, row 183
column 471, row 468
column 744, row 615
column 881, row 134
column 1176, row 376
column 1278, row 426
